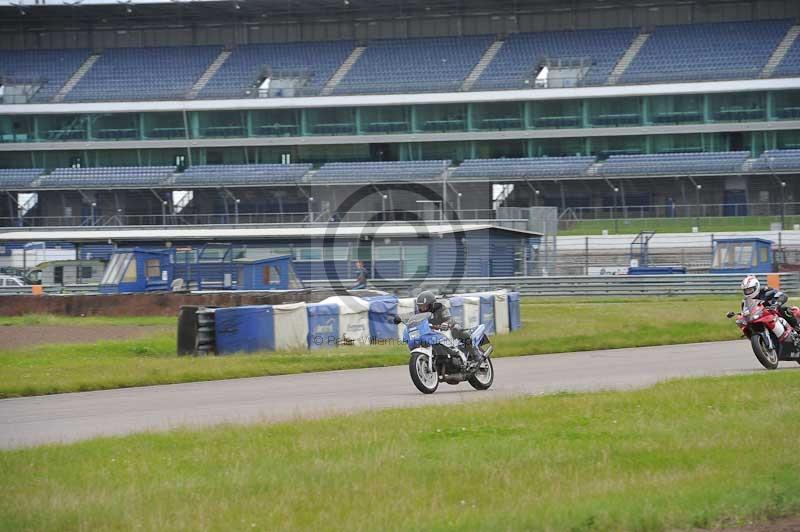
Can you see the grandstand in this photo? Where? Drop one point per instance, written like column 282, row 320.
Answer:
column 260, row 112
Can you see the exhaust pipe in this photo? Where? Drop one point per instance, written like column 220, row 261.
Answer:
column 488, row 352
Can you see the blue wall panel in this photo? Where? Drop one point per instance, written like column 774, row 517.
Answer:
column 514, row 312
column 245, row 329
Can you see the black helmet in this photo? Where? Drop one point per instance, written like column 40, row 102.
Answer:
column 425, row 301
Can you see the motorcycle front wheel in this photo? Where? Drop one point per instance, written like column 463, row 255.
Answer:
column 766, row 356
column 424, row 377
column 484, row 376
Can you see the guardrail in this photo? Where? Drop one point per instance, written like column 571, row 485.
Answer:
column 576, row 286
column 51, row 290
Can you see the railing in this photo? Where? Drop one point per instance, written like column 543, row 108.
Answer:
column 671, row 210
column 599, row 285
column 241, row 218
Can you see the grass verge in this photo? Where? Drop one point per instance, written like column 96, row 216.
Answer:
column 549, row 326
column 680, row 455
column 29, row 320
column 676, row 225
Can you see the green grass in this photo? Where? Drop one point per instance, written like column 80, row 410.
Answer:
column 53, row 320
column 676, row 225
column 681, row 455
column 594, row 324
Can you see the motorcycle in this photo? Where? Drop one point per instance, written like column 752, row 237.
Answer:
column 770, row 335
column 436, row 357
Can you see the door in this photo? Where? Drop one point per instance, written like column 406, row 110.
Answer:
column 58, row 275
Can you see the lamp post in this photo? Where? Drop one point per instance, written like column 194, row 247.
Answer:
column 616, row 221
column 697, row 189
column 458, row 203
column 441, row 207
column 783, row 204
column 384, row 197
column 163, row 213
column 94, row 204
column 236, row 210
column 310, row 209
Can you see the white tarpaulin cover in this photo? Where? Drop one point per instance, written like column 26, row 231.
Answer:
column 291, row 326
column 405, row 306
column 353, row 318
column 472, row 311
column 501, row 318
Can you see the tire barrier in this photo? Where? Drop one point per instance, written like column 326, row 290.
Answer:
column 206, row 332
column 335, row 321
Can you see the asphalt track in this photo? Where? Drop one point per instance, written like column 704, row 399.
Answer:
column 78, row 416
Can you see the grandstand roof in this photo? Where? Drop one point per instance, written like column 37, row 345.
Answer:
column 111, row 12
column 343, row 231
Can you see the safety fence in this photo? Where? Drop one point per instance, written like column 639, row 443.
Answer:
column 588, row 285
column 333, row 322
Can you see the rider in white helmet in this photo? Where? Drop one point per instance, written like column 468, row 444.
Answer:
column 752, row 290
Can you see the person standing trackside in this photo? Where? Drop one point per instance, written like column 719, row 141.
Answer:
column 361, row 276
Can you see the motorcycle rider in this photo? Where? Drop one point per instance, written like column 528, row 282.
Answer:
column 752, row 290
column 441, row 319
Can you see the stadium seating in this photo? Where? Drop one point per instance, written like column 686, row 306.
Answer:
column 144, row 73
column 52, row 68
column 780, row 160
column 242, row 174
column 247, row 63
column 529, row 167
column 105, row 177
column 414, row 65
column 18, row 177
column 790, row 65
column 702, row 52
column 382, row 171
column 674, row 163
column 522, row 53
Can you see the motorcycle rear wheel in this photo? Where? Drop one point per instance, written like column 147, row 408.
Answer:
column 766, row 356
column 426, row 379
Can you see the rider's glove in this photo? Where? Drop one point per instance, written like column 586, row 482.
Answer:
column 444, row 327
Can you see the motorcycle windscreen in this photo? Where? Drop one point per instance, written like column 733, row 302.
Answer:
column 406, row 306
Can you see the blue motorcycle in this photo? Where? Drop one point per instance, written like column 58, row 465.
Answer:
column 436, row 357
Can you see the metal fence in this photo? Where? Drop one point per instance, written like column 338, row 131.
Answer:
column 243, row 218
column 579, row 286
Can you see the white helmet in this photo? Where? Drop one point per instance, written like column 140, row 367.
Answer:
column 750, row 286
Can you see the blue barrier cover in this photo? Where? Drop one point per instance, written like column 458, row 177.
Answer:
column 514, row 316
column 248, row 328
column 323, row 325
column 487, row 312
column 381, row 318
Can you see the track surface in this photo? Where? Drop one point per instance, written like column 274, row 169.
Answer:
column 77, row 416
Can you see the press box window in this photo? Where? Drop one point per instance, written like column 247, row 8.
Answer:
column 153, row 268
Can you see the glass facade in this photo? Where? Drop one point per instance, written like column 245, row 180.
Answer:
column 604, row 146
column 388, row 121
column 407, row 119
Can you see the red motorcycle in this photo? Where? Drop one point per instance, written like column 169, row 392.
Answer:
column 770, row 335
